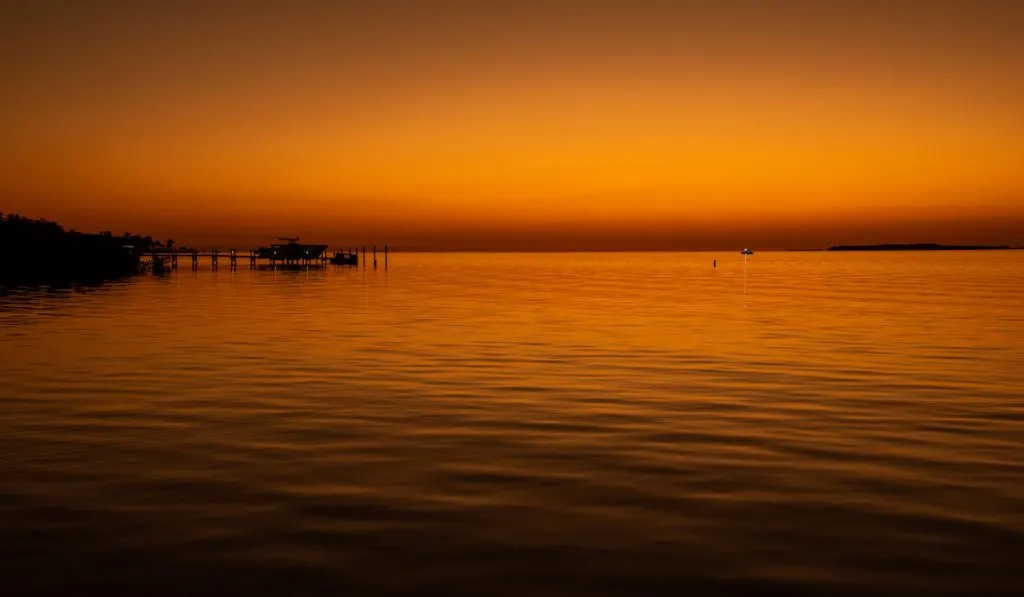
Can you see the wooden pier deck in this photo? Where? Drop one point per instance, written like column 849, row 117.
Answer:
column 168, row 258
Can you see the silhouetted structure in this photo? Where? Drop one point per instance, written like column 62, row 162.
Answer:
column 290, row 255
column 345, row 257
column 42, row 252
column 291, row 252
column 34, row 252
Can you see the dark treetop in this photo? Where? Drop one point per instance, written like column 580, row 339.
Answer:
column 42, row 252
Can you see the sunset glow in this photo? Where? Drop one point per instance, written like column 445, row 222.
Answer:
column 519, row 125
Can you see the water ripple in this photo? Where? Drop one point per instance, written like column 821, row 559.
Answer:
column 521, row 424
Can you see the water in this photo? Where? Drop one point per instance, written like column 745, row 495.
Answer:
column 547, row 424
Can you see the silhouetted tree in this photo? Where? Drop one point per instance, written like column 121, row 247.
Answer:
column 42, row 252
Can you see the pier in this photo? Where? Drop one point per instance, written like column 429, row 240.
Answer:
column 318, row 257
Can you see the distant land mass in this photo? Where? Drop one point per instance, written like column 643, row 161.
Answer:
column 919, row 247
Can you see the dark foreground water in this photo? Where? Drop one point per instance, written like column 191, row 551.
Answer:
column 625, row 424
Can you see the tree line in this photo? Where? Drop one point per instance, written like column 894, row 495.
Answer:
column 38, row 251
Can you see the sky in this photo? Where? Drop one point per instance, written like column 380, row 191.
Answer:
column 522, row 125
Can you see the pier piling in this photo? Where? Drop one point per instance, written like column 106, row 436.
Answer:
column 306, row 256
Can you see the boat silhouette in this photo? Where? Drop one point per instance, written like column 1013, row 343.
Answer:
column 290, row 250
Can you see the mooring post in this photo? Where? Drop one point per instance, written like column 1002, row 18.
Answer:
column 195, row 259
column 374, row 256
column 364, row 256
column 234, row 259
column 385, row 257
column 214, row 256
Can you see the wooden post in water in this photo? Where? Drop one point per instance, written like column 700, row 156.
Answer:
column 174, row 259
column 364, row 256
column 252, row 258
column 385, row 257
column 195, row 259
column 213, row 254
column 374, row 256
column 234, row 259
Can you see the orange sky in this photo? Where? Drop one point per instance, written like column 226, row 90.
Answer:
column 527, row 124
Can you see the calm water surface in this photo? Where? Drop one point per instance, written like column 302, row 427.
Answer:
column 481, row 424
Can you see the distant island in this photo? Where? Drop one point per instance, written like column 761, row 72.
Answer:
column 39, row 252
column 919, row 247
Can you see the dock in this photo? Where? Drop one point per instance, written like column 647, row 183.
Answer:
column 286, row 256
